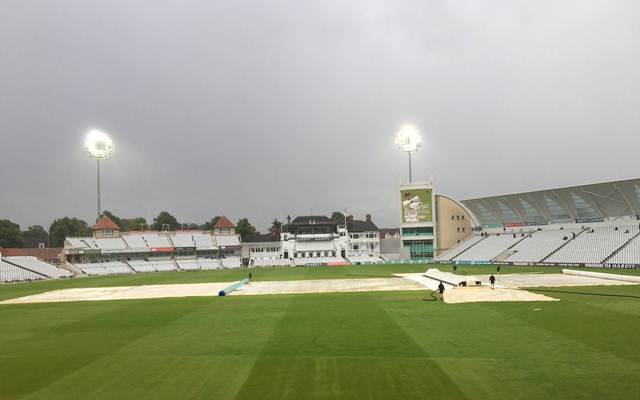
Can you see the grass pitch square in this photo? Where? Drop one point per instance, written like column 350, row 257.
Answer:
column 382, row 345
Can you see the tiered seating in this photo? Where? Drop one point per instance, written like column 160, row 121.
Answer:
column 94, row 269
column 106, row 268
column 459, row 248
column 540, row 244
column 489, row 248
column 117, row 267
column 142, row 266
column 269, row 262
column 203, row 241
column 208, row 263
column 135, row 241
column 302, row 261
column 107, row 243
column 183, row 240
column 363, row 258
column 156, row 240
column 41, row 267
column 165, row 265
column 231, row 262
column 594, row 245
column 227, row 240
column 77, row 243
column 11, row 273
column 629, row 255
column 188, row 265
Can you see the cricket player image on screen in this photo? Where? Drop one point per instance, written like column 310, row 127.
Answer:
column 411, row 206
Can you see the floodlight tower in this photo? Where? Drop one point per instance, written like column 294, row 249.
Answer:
column 99, row 146
column 408, row 139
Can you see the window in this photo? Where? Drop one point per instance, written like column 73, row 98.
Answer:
column 508, row 213
column 487, row 215
column 557, row 212
column 583, row 209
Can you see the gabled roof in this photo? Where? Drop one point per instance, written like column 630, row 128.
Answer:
column 362, row 226
column 47, row 253
column 105, row 223
column 306, row 219
column 223, row 222
column 267, row 237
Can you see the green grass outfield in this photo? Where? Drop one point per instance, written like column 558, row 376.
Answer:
column 382, row 345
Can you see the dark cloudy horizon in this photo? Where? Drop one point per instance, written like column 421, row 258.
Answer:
column 257, row 109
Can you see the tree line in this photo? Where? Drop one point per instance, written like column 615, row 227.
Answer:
column 11, row 236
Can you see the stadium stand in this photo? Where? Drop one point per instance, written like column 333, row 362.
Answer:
column 106, row 268
column 141, row 266
column 312, row 261
column 627, row 255
column 183, row 240
column 135, row 242
column 231, row 262
column 203, row 241
column 106, row 243
column 188, row 265
column 164, row 265
column 208, row 263
column 157, row 240
column 275, row 261
column 363, row 259
column 460, row 248
column 93, row 269
column 227, row 240
column 489, row 248
column 594, row 245
column 13, row 273
column 540, row 244
column 41, row 267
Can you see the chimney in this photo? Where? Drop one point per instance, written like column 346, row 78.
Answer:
column 368, row 217
column 288, row 219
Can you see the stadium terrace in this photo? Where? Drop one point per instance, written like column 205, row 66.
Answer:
column 594, row 225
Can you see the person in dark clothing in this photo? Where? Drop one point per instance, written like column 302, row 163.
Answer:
column 492, row 280
column 250, row 276
column 441, row 290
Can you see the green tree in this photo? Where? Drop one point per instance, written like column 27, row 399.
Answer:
column 34, row 235
column 338, row 217
column 214, row 220
column 115, row 219
column 276, row 227
column 67, row 227
column 10, row 235
column 245, row 229
column 164, row 220
column 134, row 224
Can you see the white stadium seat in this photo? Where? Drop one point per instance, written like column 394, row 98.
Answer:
column 12, row 273
column 41, row 267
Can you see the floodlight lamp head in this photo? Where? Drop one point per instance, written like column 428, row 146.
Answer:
column 98, row 144
column 408, row 139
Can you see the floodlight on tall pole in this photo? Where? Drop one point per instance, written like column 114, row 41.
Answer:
column 408, row 139
column 98, row 145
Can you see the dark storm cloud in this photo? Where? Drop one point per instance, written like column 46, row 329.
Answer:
column 260, row 108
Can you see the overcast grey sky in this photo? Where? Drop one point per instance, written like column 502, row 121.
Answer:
column 250, row 108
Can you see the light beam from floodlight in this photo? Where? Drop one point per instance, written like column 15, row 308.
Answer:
column 99, row 146
column 408, row 139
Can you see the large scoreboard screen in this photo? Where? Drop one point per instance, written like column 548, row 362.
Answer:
column 416, row 205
